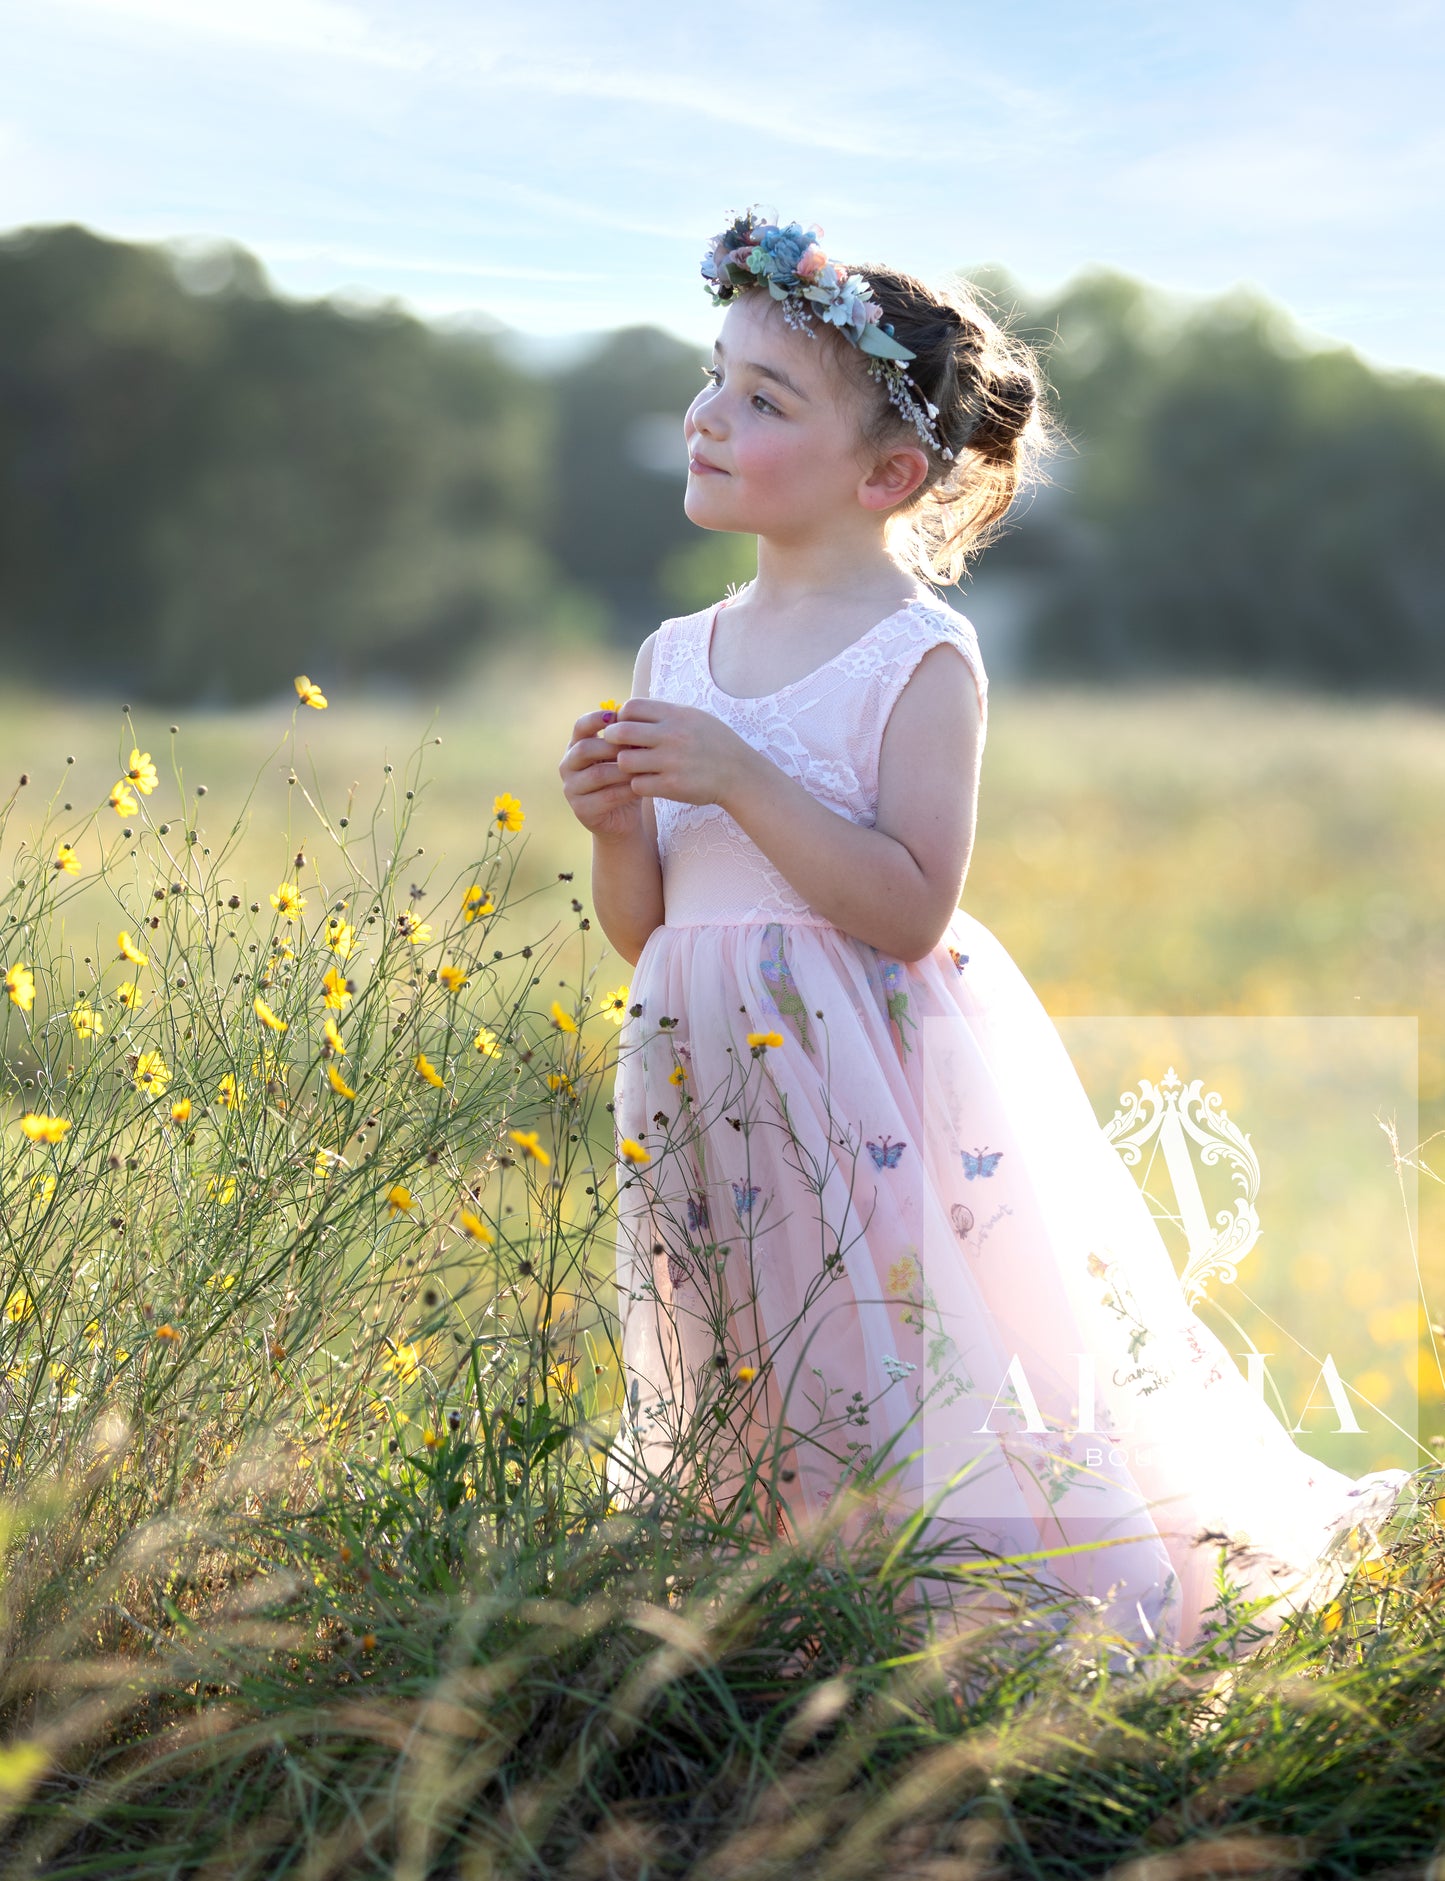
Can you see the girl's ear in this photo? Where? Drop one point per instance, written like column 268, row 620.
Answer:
column 894, row 477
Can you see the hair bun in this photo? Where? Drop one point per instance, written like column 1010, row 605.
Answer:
column 1007, row 401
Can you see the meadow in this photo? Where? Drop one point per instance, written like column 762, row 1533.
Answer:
column 310, row 1561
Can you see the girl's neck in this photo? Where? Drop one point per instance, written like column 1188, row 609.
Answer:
column 795, row 578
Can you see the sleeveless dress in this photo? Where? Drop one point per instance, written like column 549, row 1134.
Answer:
column 891, row 1230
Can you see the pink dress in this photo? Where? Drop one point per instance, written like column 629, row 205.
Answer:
column 898, row 1233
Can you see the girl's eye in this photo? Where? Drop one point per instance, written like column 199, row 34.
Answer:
column 766, row 403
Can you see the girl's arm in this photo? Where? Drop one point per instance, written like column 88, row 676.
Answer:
column 626, row 869
column 895, row 886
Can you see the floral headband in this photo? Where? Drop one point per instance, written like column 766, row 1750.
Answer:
column 810, row 287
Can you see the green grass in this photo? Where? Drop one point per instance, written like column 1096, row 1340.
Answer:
column 331, row 1582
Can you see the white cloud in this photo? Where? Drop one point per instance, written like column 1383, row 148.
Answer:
column 318, row 26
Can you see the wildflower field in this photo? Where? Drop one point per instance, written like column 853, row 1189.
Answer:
column 308, row 1192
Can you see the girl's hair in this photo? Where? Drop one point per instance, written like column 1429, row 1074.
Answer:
column 989, row 391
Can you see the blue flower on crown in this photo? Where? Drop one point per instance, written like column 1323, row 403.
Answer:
column 786, row 247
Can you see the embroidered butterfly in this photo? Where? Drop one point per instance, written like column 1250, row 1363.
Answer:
column 744, row 1195
column 885, row 1154
column 980, row 1162
column 697, row 1214
column 958, row 959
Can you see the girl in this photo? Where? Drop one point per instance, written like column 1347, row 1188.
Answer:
column 870, row 1232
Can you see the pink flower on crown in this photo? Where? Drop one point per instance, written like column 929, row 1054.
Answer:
column 812, row 263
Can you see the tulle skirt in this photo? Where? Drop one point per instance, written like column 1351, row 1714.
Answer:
column 867, row 1216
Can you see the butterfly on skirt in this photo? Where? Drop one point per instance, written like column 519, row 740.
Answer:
column 958, row 959
column 697, row 1220
column 885, row 1154
column 980, row 1162
column 744, row 1195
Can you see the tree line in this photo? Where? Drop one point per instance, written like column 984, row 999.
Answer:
column 206, row 487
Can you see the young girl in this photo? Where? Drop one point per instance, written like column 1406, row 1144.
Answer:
column 867, row 1215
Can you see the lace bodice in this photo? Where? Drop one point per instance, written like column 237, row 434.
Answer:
column 825, row 729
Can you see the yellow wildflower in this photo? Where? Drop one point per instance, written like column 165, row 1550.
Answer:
column 475, row 1227
column 266, row 1016
column 222, row 1282
column 760, row 1041
column 228, row 1092
column 400, row 1200
column 507, row 812
column 181, row 1110
column 561, row 1018
column 452, row 978
column 121, row 800
column 476, row 901
column 310, row 694
column 486, row 1043
column 41, row 1129
column 614, row 1004
column 405, row 1361
column 94, row 1337
column 169, row 1334
column 20, row 985
column 559, row 1081
column 19, row 1306
column 608, row 705
column 288, row 900
column 142, row 773
column 338, row 1083
column 223, row 1188
column 677, row 1075
column 66, row 859
column 331, row 1036
column 335, row 991
column 417, row 932
column 902, row 1274
column 86, row 1020
column 128, row 994
column 634, row 1152
column 340, row 936
column 529, row 1141
column 43, row 1186
column 151, row 1073
column 431, row 1439
column 746, row 1373
column 129, row 950
column 428, row 1072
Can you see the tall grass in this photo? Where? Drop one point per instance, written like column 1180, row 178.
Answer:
column 309, row 1553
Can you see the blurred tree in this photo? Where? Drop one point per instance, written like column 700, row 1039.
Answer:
column 205, row 488
column 616, row 513
column 204, row 493
column 1238, row 502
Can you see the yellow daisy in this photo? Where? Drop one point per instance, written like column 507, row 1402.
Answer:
column 142, row 773
column 507, row 812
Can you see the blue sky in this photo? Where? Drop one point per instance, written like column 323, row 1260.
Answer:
column 560, row 165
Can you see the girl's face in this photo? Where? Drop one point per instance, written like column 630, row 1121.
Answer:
column 774, row 439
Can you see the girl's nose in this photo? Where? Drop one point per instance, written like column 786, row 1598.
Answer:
column 703, row 415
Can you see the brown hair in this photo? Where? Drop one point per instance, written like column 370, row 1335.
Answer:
column 989, row 391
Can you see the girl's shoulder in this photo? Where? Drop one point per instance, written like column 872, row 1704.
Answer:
column 676, row 642
column 917, row 629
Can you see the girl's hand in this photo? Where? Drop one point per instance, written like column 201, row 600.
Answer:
column 600, row 797
column 677, row 751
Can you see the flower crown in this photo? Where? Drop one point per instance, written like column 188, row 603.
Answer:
column 810, row 287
